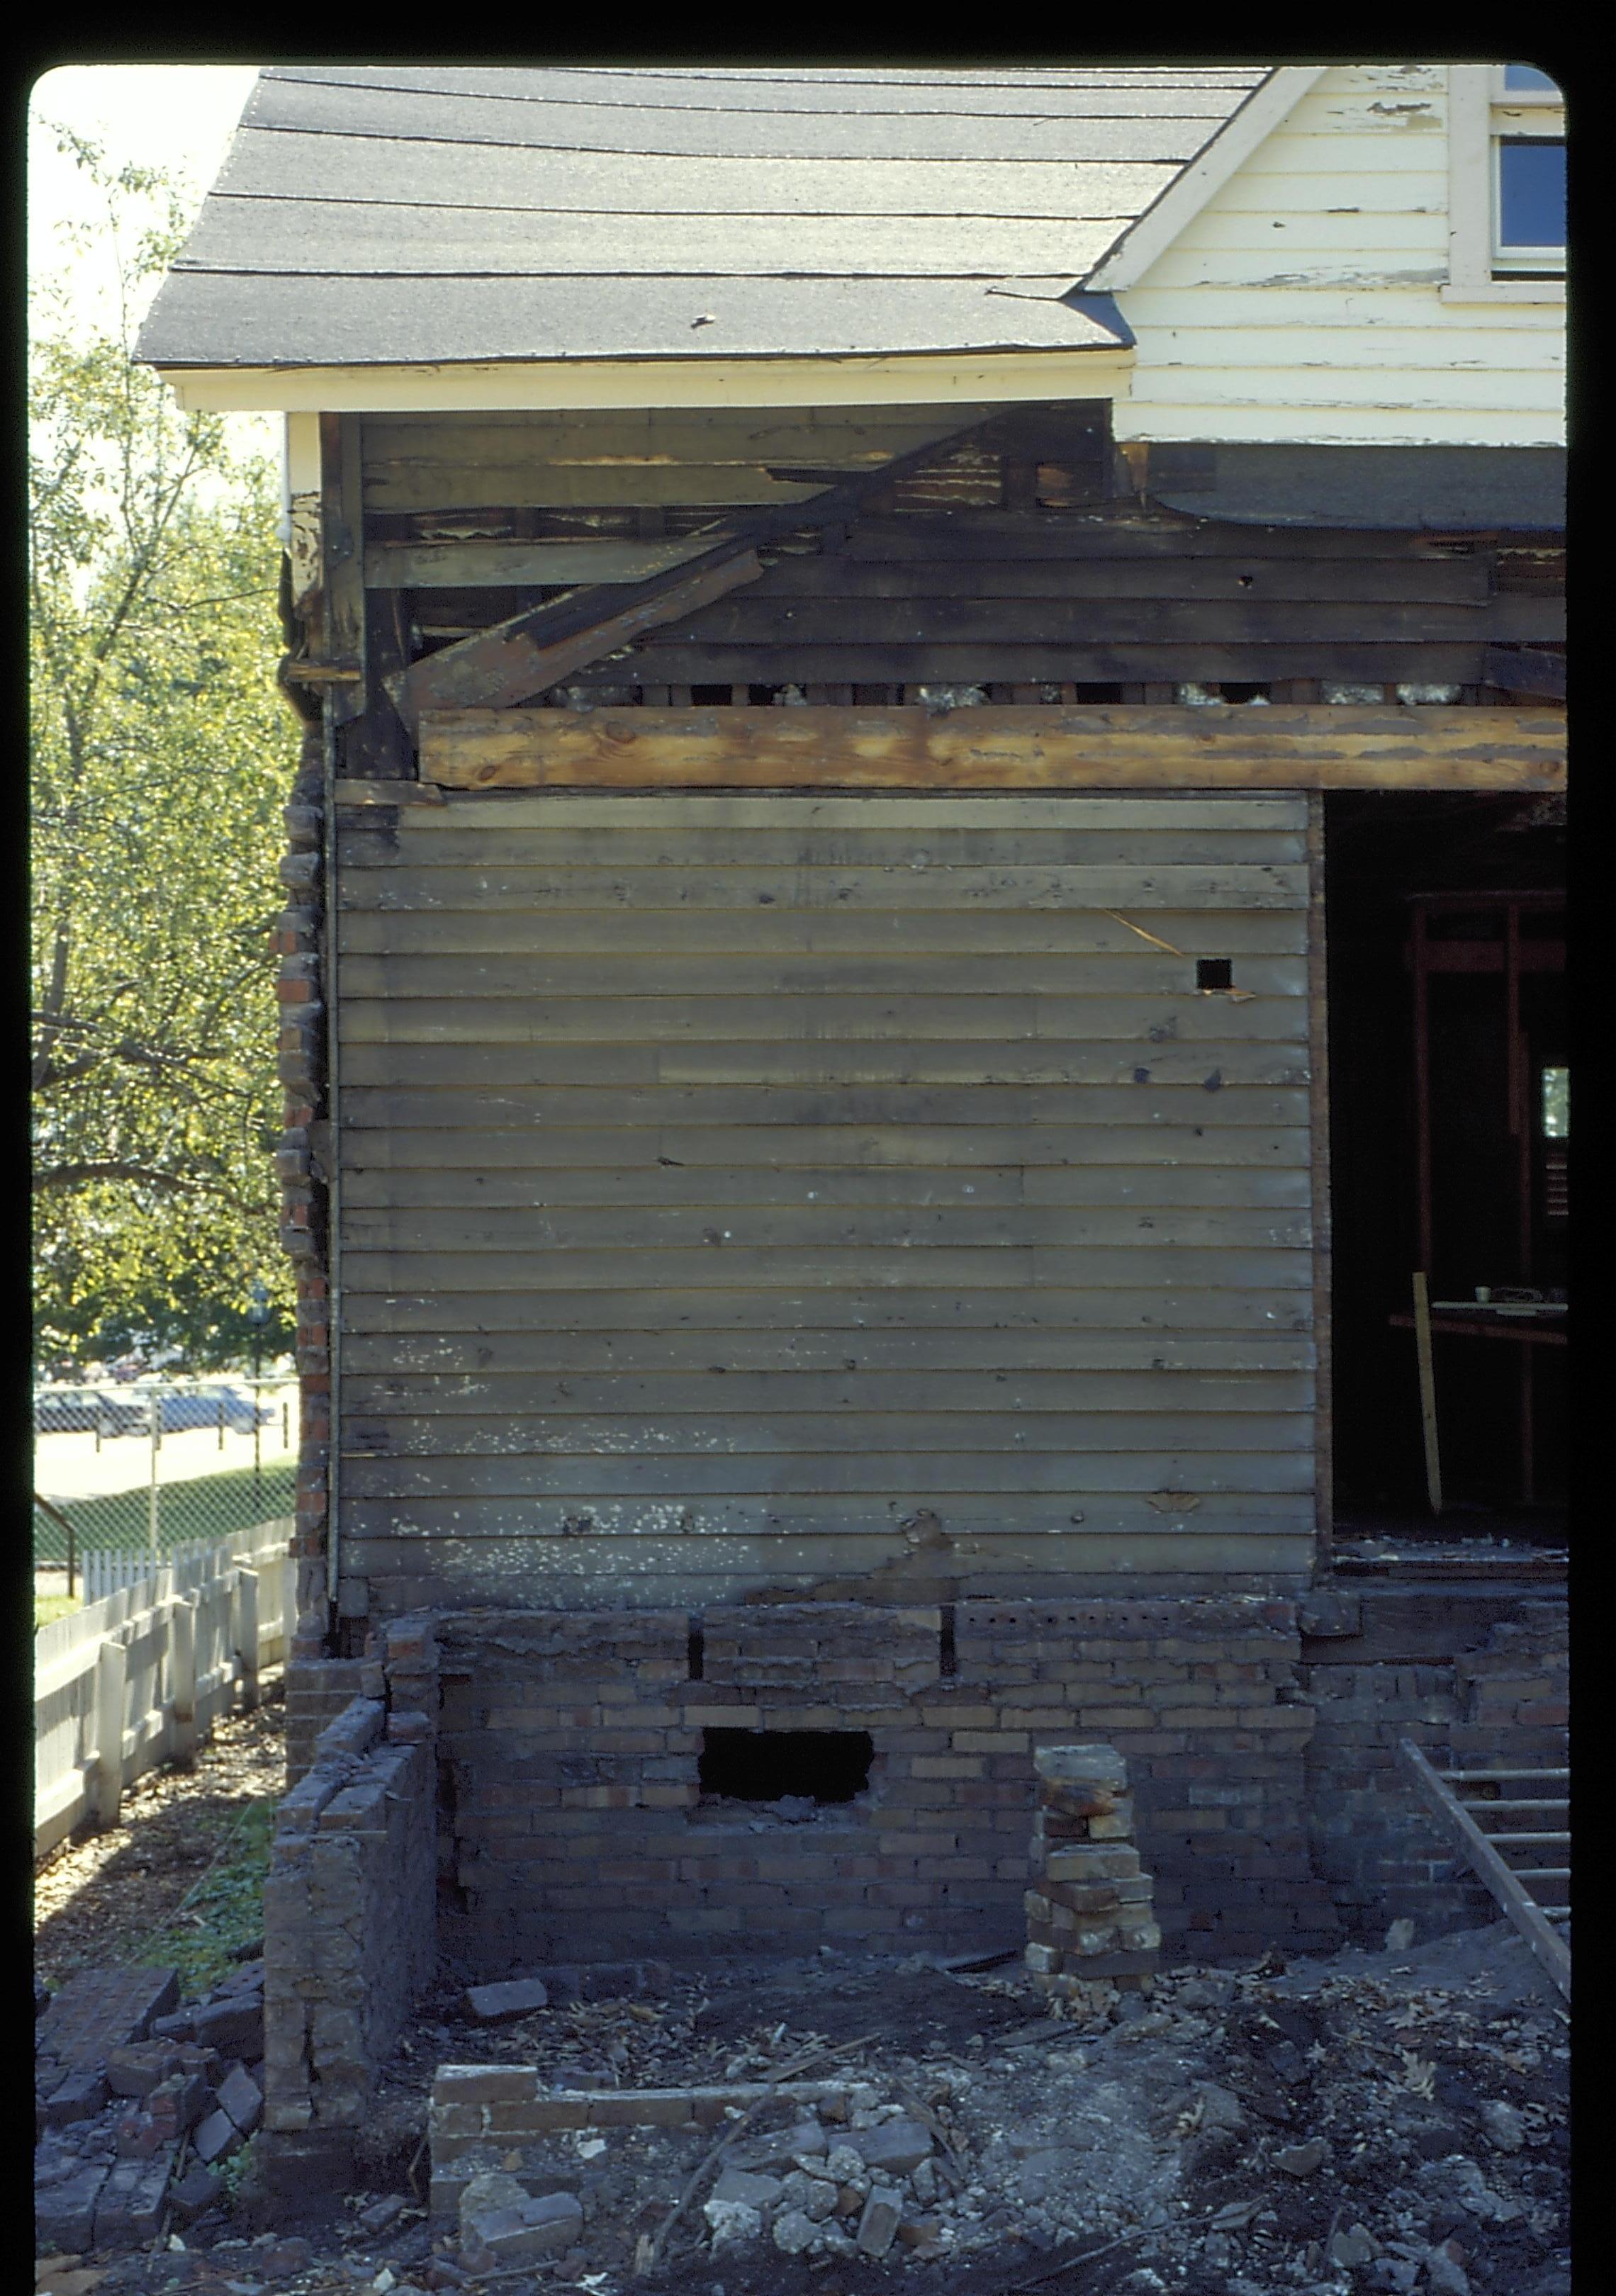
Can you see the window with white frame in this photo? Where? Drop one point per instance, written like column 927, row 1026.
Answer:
column 1507, row 184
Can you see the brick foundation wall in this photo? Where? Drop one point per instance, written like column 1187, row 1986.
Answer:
column 318, row 1691
column 350, row 1935
column 1472, row 1676
column 561, row 1750
column 574, row 1827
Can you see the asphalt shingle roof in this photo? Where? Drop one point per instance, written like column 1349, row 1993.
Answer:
column 387, row 215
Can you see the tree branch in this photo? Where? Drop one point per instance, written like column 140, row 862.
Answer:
column 73, row 1175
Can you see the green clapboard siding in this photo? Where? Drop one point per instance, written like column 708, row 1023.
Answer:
column 727, row 1179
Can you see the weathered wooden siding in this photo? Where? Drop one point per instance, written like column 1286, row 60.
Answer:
column 648, row 456
column 1008, row 561
column 745, row 1191
column 1304, row 301
column 982, row 595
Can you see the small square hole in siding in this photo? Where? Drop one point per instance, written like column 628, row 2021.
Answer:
column 814, row 1766
column 1214, row 972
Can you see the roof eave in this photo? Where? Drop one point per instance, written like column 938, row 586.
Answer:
column 934, row 378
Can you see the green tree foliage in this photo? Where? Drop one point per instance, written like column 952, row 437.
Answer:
column 161, row 755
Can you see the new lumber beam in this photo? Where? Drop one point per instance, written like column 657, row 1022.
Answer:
column 1225, row 747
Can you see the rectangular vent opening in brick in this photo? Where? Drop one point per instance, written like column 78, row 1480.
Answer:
column 809, row 1768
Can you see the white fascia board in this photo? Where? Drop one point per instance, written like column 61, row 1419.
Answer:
column 1154, row 232
column 932, row 380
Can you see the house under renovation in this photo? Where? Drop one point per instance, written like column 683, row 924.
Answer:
column 928, row 1097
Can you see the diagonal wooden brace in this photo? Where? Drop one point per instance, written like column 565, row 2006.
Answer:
column 505, row 664
column 543, row 645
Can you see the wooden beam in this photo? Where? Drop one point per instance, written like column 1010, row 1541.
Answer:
column 539, row 647
column 1016, row 747
column 377, row 745
column 1318, row 1163
column 1428, row 1391
column 349, row 791
column 1528, row 1916
column 509, row 663
column 1525, row 669
column 341, row 546
column 495, row 563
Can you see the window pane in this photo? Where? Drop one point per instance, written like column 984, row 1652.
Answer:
column 1527, row 78
column 1556, row 1104
column 1531, row 193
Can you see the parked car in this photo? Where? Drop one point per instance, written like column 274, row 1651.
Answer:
column 198, row 1407
column 64, row 1410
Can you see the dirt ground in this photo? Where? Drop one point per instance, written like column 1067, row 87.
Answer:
column 142, row 1892
column 1388, row 2122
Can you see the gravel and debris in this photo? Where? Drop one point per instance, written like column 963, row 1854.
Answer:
column 1386, row 2122
column 1372, row 2124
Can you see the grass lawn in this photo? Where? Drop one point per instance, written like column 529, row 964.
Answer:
column 211, row 1506
column 47, row 1607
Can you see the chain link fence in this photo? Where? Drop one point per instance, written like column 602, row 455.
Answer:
column 127, row 1475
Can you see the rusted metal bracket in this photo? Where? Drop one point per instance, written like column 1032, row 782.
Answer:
column 1523, row 1909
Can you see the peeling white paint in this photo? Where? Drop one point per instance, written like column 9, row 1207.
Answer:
column 1351, row 341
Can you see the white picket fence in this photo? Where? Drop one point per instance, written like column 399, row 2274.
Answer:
column 154, row 1662
column 103, row 1570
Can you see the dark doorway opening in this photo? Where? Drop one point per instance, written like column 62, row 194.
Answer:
column 818, row 1765
column 1448, row 1081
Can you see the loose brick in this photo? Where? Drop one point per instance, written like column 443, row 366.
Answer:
column 1091, row 1862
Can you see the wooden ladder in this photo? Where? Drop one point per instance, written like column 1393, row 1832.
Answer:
column 1542, row 1911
